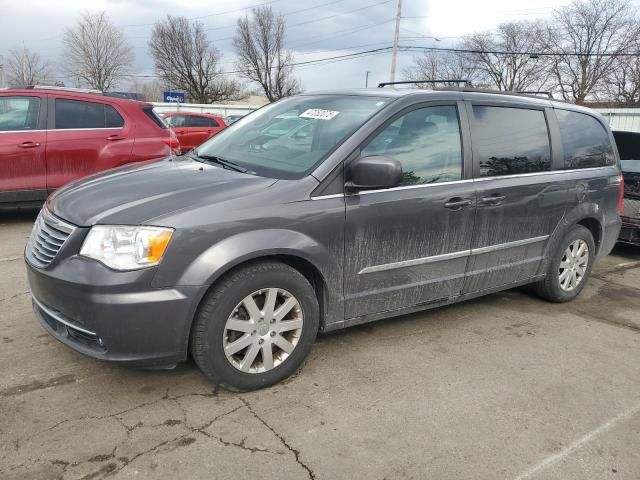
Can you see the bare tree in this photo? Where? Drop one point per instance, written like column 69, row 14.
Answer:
column 185, row 59
column 503, row 56
column 262, row 57
column 150, row 91
column 434, row 65
column 578, row 37
column 25, row 68
column 622, row 85
column 96, row 52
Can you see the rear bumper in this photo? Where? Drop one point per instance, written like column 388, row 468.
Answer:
column 129, row 323
column 630, row 231
column 610, row 234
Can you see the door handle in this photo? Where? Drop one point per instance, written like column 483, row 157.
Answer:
column 495, row 199
column 457, row 203
column 115, row 138
column 29, row 145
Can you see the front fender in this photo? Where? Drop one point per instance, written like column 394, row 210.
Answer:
column 239, row 248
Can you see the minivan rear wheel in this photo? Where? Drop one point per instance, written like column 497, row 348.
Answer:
column 570, row 268
column 255, row 327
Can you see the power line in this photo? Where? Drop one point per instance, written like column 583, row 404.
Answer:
column 211, row 14
column 531, row 54
column 343, row 33
column 287, row 14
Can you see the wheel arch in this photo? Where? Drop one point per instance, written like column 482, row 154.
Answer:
column 294, row 249
column 590, row 216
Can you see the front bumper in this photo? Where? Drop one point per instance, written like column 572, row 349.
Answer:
column 114, row 316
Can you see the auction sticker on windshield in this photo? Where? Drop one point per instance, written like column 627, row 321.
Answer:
column 319, row 114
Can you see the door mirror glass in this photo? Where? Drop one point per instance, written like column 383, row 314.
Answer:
column 374, row 172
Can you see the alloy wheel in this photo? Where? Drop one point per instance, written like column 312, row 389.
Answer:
column 263, row 330
column 573, row 266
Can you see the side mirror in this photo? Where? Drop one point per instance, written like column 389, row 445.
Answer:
column 375, row 172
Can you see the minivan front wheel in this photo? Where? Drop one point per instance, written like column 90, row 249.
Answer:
column 570, row 268
column 255, row 327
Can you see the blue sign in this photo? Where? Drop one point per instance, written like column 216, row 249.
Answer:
column 174, row 97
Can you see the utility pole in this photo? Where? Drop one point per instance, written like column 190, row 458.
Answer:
column 394, row 54
column 366, row 79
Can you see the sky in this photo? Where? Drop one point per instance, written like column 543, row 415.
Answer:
column 315, row 29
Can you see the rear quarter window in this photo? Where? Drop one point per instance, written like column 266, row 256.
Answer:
column 151, row 114
column 585, row 141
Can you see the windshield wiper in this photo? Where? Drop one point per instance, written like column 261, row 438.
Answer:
column 221, row 161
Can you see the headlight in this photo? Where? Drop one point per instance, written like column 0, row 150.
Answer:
column 126, row 248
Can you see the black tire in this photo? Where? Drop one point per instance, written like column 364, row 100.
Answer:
column 209, row 324
column 549, row 288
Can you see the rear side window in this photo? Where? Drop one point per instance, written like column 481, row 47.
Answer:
column 584, row 140
column 510, row 141
column 19, row 113
column 154, row 117
column 81, row 114
column 193, row 121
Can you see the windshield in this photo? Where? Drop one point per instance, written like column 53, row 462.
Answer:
column 287, row 139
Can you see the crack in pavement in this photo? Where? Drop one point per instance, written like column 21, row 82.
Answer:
column 284, row 442
column 6, row 299
column 18, row 442
column 11, row 259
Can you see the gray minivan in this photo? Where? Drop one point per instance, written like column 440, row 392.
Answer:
column 241, row 251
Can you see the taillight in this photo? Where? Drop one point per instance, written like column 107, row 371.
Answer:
column 173, row 142
column 621, row 196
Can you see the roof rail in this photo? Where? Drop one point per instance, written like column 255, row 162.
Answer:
column 535, row 92
column 468, row 87
column 67, row 89
column 409, row 82
column 498, row 92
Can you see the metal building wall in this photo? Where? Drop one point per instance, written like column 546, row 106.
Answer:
column 625, row 119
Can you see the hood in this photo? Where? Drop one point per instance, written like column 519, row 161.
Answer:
column 138, row 193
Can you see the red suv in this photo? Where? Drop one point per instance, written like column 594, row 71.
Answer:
column 192, row 128
column 49, row 137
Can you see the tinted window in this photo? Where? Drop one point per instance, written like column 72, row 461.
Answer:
column 19, row 113
column 113, row 118
column 427, row 143
column 585, row 141
column 194, row 121
column 510, row 141
column 81, row 114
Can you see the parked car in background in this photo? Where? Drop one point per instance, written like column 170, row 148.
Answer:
column 393, row 201
column 629, row 149
column 51, row 136
column 192, row 129
column 233, row 118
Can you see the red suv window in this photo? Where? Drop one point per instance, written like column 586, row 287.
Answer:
column 81, row 114
column 19, row 113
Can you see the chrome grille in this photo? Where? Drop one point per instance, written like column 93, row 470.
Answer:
column 47, row 238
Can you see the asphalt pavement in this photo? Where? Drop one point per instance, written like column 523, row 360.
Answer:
column 502, row 387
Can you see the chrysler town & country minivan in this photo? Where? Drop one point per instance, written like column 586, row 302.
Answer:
column 241, row 251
